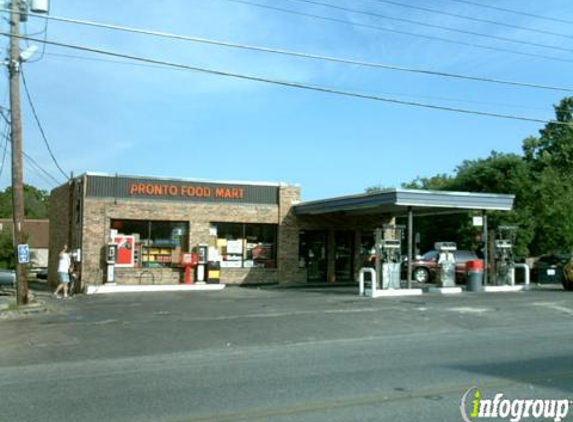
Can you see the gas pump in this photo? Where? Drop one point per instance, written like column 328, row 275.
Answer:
column 446, row 274
column 389, row 255
column 201, row 262
column 110, row 259
column 504, row 255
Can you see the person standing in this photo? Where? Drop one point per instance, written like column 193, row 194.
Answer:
column 64, row 265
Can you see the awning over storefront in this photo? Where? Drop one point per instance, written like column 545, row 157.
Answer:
column 398, row 202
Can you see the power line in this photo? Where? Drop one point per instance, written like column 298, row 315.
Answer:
column 396, row 31
column 473, row 18
column 37, row 166
column 33, row 108
column 515, row 12
column 8, row 139
column 298, row 85
column 304, row 55
column 150, row 66
column 39, row 170
column 433, row 26
column 44, row 32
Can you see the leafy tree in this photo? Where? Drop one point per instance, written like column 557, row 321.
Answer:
column 550, row 160
column 376, row 189
column 554, row 147
column 502, row 173
column 36, row 202
column 541, row 180
column 553, row 193
column 7, row 255
column 439, row 182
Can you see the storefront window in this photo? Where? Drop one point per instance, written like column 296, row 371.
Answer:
column 245, row 245
column 156, row 243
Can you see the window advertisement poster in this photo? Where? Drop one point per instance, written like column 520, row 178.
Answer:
column 125, row 250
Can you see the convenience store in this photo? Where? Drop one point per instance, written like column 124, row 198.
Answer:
column 256, row 232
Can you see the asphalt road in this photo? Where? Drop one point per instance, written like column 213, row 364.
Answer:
column 282, row 355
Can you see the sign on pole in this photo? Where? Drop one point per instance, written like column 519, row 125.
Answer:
column 23, row 254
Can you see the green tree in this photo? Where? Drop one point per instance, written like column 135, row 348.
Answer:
column 503, row 174
column 36, row 206
column 554, row 147
column 7, row 255
column 550, row 160
column 36, row 202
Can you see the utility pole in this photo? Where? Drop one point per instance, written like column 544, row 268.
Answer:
column 16, row 134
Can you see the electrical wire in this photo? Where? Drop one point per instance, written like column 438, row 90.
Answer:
column 473, row 18
column 6, row 137
column 37, row 166
column 45, row 33
column 35, row 114
column 297, row 85
column 304, row 55
column 33, row 162
column 433, row 26
column 396, row 31
column 39, row 170
column 515, row 12
column 450, row 99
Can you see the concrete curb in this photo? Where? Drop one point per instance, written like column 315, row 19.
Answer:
column 444, row 290
column 109, row 289
column 9, row 311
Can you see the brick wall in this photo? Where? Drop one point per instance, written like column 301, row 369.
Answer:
column 288, row 241
column 59, row 228
column 98, row 213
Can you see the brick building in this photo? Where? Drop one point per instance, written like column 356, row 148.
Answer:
column 257, row 233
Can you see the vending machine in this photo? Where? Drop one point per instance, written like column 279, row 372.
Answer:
column 202, row 256
column 110, row 259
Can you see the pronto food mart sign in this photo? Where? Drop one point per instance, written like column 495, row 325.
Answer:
column 177, row 190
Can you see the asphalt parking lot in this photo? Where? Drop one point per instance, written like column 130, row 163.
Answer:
column 276, row 354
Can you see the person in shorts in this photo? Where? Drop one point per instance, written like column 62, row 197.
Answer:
column 64, row 265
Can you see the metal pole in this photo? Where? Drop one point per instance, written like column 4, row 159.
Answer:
column 410, row 245
column 378, row 264
column 485, row 241
column 16, row 128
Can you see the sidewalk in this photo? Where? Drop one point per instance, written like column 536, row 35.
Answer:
column 37, row 292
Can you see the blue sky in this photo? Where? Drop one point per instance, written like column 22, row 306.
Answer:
column 110, row 117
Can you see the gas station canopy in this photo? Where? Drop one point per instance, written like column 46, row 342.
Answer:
column 398, row 202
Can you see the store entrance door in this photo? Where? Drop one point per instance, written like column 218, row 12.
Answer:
column 344, row 256
column 313, row 249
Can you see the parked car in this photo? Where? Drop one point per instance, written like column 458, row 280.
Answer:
column 42, row 274
column 548, row 268
column 425, row 267
column 7, row 277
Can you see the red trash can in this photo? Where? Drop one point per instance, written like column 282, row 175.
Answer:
column 474, row 275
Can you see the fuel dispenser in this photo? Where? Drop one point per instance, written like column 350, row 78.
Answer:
column 446, row 274
column 504, row 257
column 110, row 260
column 202, row 256
column 389, row 255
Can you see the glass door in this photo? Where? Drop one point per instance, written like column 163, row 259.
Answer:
column 344, row 256
column 312, row 251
